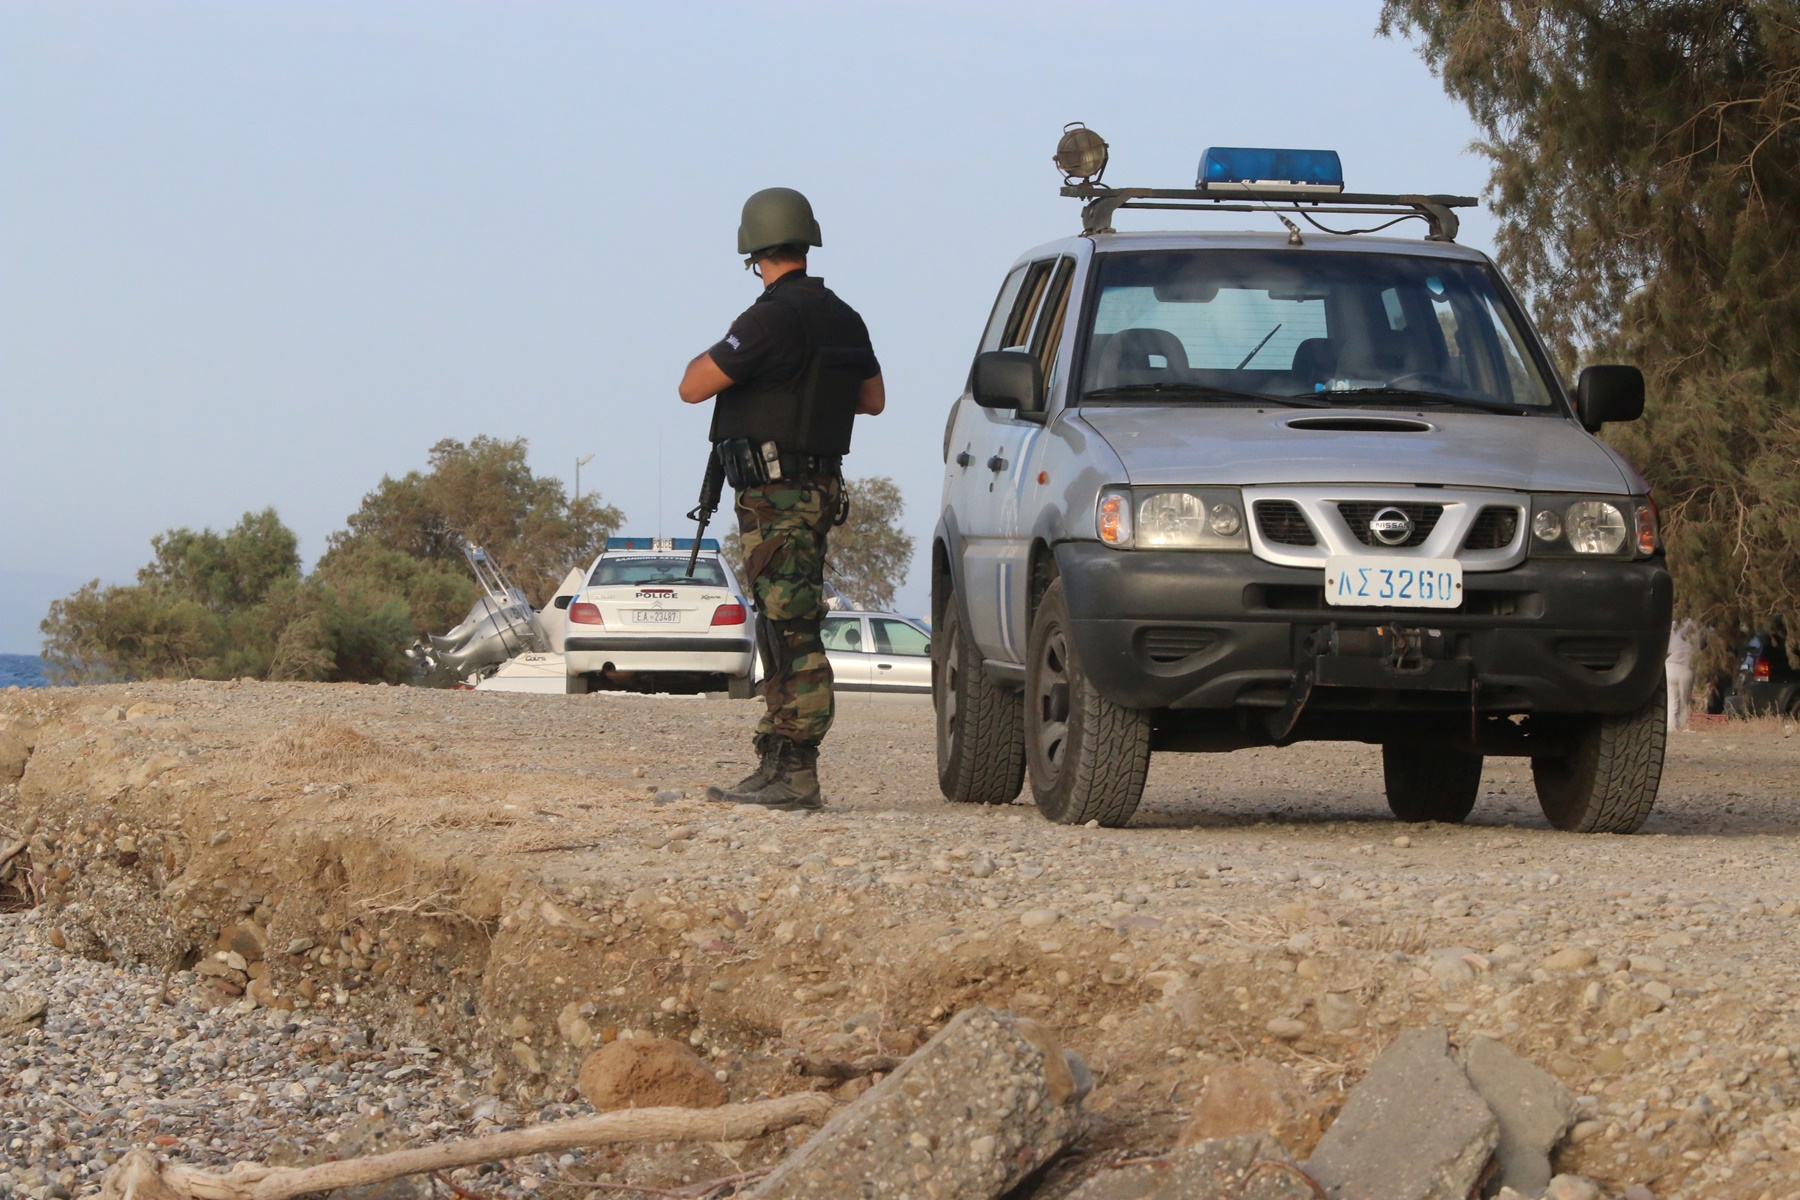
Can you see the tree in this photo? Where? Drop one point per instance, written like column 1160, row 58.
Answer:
column 1646, row 173
column 868, row 555
column 482, row 492
column 220, row 605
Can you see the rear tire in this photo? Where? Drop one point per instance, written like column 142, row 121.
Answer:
column 739, row 687
column 1426, row 783
column 980, row 730
column 1608, row 783
column 1087, row 756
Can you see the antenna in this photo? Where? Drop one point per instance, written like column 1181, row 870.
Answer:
column 659, row 475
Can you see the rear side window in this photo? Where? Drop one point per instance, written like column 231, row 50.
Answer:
column 843, row 633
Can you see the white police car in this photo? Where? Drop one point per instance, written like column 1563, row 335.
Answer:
column 641, row 623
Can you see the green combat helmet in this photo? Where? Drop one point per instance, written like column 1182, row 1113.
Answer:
column 776, row 216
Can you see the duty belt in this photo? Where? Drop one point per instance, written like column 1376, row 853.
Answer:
column 811, row 464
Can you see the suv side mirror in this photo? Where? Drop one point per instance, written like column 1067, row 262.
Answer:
column 1009, row 379
column 1609, row 394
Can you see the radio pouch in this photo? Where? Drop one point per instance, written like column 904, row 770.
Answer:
column 749, row 463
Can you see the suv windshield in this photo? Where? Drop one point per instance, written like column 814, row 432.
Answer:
column 614, row 571
column 1219, row 325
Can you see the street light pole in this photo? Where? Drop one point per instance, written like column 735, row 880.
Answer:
column 579, row 463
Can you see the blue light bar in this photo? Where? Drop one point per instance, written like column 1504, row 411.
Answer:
column 644, row 543
column 1242, row 169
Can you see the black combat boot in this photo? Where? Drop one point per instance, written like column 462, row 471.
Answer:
column 794, row 787
column 768, row 748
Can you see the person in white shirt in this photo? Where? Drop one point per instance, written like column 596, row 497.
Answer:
column 1684, row 640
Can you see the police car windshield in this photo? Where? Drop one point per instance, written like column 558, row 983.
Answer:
column 615, row 572
column 1217, row 326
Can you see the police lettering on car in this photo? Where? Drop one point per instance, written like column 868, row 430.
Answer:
column 790, row 377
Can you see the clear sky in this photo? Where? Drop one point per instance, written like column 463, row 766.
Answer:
column 263, row 253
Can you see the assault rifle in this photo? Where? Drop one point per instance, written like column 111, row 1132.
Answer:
column 710, row 490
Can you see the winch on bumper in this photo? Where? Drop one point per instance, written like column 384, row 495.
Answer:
column 1221, row 631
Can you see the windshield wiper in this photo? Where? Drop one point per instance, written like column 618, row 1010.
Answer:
column 1201, row 391
column 1441, row 399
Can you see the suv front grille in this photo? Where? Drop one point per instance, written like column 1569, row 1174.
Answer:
column 1282, row 522
column 1494, row 528
column 1357, row 513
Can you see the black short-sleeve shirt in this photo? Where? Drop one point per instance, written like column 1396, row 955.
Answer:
column 766, row 345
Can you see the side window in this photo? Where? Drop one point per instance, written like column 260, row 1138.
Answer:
column 897, row 637
column 1048, row 335
column 843, row 633
column 1003, row 307
column 1018, row 323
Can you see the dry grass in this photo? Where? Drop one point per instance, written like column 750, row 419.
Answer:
column 321, row 752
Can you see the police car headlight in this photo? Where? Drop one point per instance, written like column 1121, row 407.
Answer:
column 1591, row 526
column 1165, row 519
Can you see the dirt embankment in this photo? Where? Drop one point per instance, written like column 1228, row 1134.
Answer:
column 517, row 879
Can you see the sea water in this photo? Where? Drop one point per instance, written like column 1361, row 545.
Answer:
column 22, row 670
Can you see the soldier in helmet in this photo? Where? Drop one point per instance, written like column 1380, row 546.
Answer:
column 791, row 375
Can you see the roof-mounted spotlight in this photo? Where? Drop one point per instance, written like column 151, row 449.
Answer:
column 1081, row 154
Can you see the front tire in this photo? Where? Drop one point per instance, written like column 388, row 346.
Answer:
column 1426, row 783
column 980, row 732
column 1608, row 783
column 1087, row 756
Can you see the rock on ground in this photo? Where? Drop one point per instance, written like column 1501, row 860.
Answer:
column 1533, row 1109
column 1413, row 1129
column 979, row 1107
column 648, row 1072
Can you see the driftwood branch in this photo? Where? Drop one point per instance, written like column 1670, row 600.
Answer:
column 141, row 1176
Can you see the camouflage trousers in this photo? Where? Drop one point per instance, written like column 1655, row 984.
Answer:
column 783, row 527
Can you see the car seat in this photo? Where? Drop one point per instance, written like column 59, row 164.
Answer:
column 1315, row 361
column 1140, row 356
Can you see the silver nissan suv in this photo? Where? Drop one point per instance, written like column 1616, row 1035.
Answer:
column 1207, row 491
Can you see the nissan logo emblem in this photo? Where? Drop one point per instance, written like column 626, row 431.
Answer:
column 1391, row 526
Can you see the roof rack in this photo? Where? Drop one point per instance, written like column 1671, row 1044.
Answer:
column 1104, row 201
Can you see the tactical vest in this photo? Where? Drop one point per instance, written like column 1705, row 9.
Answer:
column 814, row 414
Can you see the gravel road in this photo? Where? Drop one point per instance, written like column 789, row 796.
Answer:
column 1263, row 903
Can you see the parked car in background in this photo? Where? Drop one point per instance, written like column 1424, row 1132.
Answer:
column 1765, row 685
column 642, row 622
column 877, row 652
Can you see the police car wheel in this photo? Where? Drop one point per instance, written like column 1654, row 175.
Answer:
column 1608, row 783
column 1087, row 756
column 739, row 687
column 980, row 735
column 1426, row 783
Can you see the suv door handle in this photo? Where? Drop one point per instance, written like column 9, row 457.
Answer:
column 996, row 463
column 964, row 458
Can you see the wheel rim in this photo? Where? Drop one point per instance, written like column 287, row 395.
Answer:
column 949, row 676
column 1051, row 703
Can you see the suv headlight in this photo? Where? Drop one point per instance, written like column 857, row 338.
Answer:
column 1594, row 526
column 1171, row 518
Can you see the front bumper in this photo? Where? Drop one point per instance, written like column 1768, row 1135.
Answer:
column 683, row 655
column 1167, row 629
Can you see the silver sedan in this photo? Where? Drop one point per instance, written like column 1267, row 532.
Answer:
column 877, row 652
